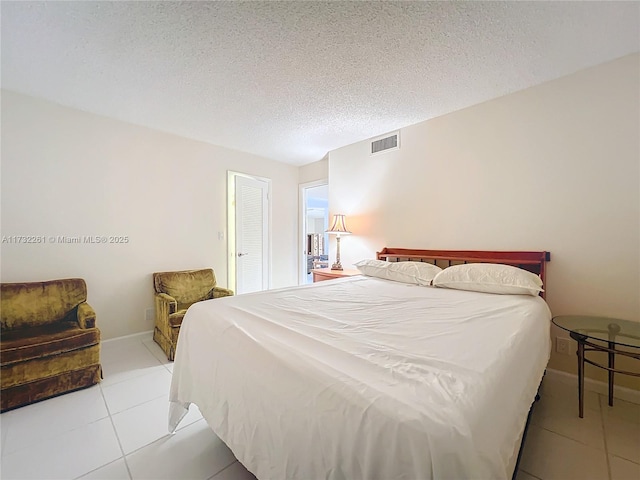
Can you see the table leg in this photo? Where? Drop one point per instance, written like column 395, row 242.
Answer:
column 612, row 357
column 614, row 329
column 580, row 378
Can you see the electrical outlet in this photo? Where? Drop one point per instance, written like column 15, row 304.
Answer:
column 562, row 345
column 148, row 315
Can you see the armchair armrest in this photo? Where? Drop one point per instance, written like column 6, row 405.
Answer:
column 165, row 305
column 86, row 316
column 218, row 292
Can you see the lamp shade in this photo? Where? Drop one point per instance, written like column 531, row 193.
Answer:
column 338, row 226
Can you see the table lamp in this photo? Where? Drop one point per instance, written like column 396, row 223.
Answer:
column 338, row 227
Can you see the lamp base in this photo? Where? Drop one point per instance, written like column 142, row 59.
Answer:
column 336, row 266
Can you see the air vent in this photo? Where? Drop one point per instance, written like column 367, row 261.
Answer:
column 386, row 143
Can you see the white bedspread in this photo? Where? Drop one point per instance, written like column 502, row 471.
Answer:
column 363, row 378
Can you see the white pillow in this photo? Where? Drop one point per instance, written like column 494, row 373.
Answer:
column 489, row 277
column 418, row 273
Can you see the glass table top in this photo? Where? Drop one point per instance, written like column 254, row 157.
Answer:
column 622, row 332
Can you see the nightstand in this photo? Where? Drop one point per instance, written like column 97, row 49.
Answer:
column 601, row 334
column 321, row 274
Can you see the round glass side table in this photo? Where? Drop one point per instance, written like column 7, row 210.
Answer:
column 601, row 334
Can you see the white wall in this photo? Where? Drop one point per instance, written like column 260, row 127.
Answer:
column 555, row 167
column 314, row 171
column 67, row 172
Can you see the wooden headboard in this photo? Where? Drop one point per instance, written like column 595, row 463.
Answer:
column 531, row 261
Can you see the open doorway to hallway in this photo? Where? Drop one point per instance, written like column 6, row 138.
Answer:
column 314, row 202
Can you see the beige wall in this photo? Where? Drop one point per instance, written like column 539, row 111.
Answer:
column 66, row 172
column 555, row 167
column 314, row 171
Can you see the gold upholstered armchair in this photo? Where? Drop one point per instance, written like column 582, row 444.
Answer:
column 49, row 342
column 175, row 292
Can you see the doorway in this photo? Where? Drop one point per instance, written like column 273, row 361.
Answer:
column 249, row 232
column 314, row 221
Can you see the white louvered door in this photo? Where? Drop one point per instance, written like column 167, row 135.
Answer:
column 251, row 197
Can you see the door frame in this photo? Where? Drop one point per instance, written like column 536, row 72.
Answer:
column 302, row 242
column 231, row 226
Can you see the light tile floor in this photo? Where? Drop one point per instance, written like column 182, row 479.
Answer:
column 118, row 430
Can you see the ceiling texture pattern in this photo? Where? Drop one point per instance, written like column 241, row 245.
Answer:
column 291, row 81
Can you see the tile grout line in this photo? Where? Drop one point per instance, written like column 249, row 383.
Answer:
column 46, row 439
column 579, row 442
column 604, row 436
column 113, row 425
column 220, row 471
column 521, row 470
column 161, row 438
column 117, row 439
column 136, row 405
column 109, row 413
column 118, row 382
column 96, row 469
column 125, row 455
column 149, row 350
column 165, row 365
column 223, row 469
column 132, row 378
column 160, row 364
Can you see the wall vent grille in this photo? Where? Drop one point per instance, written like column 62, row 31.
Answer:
column 386, row 143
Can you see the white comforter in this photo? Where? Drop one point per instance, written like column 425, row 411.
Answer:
column 364, row 378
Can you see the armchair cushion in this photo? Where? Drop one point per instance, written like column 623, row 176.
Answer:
column 186, row 287
column 32, row 304
column 175, row 319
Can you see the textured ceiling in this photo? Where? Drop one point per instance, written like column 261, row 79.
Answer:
column 294, row 80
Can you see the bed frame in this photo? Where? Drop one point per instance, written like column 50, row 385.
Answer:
column 531, row 261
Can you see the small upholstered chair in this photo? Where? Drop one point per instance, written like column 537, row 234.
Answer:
column 49, row 341
column 175, row 292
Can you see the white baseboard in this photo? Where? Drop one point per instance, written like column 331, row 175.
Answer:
column 133, row 336
column 623, row 393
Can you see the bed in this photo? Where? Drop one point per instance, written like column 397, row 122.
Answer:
column 367, row 377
